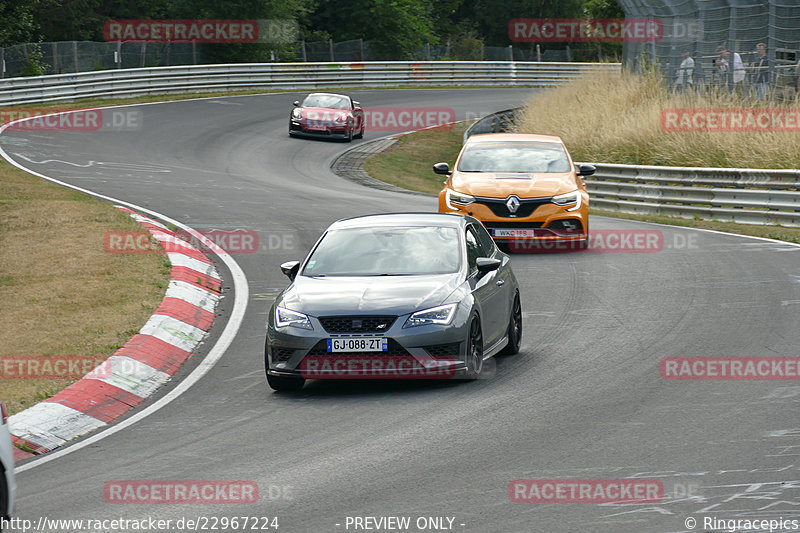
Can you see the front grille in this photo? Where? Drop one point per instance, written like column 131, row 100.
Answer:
column 280, row 355
column 394, row 349
column 512, row 225
column 357, row 324
column 443, row 351
column 526, row 208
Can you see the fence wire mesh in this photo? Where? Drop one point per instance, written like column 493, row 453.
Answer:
column 700, row 27
column 82, row 56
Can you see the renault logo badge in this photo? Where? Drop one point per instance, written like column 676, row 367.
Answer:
column 512, row 204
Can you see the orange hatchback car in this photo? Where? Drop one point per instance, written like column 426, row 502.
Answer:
column 523, row 187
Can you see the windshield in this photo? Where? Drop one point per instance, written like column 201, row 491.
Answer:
column 514, row 157
column 331, row 101
column 381, row 251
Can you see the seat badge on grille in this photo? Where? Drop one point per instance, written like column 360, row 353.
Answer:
column 512, row 204
column 381, row 326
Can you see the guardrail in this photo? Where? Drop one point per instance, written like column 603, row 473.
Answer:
column 138, row 81
column 746, row 196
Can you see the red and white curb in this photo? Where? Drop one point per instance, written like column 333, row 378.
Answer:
column 147, row 361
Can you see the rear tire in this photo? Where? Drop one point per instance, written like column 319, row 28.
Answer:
column 360, row 133
column 514, row 329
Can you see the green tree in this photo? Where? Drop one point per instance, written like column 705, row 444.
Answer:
column 492, row 16
column 397, row 29
column 17, row 23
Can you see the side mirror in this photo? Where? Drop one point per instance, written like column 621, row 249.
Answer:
column 296, row 103
column 586, row 170
column 356, row 104
column 441, row 168
column 290, row 269
column 487, row 264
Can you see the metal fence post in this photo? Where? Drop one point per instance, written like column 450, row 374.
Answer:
column 330, row 46
column 144, row 53
column 119, row 54
column 303, row 48
column 538, row 53
column 75, row 54
column 194, row 52
column 2, row 62
column 510, row 52
column 55, row 58
column 361, row 49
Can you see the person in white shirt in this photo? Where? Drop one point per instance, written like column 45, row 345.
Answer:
column 685, row 73
column 737, row 79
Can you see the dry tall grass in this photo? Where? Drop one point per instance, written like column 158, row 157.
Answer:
column 616, row 119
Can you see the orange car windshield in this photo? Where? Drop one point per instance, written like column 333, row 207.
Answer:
column 514, row 157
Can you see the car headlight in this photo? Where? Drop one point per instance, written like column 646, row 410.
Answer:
column 441, row 315
column 286, row 317
column 296, row 113
column 453, row 199
column 569, row 198
column 340, row 118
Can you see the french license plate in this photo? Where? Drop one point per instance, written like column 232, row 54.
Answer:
column 514, row 233
column 358, row 344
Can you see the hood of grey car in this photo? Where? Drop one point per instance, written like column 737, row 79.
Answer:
column 380, row 295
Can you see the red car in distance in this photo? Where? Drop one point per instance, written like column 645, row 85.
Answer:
column 327, row 115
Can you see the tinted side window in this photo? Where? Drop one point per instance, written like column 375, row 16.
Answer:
column 485, row 240
column 473, row 250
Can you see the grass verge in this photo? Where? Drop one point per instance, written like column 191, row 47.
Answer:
column 408, row 163
column 618, row 119
column 62, row 293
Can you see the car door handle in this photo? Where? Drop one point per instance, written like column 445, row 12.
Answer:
column 501, row 282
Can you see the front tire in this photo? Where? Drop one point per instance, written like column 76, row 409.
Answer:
column 514, row 329
column 474, row 355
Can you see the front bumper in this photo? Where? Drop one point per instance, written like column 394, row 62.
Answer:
column 297, row 127
column 539, row 220
column 421, row 352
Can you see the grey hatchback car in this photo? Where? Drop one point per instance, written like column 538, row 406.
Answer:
column 393, row 296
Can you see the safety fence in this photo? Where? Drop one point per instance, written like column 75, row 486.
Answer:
column 139, row 81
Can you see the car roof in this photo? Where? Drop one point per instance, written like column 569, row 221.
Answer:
column 404, row 219
column 512, row 137
column 329, row 94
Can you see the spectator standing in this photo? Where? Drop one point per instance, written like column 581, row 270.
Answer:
column 736, row 79
column 761, row 72
column 685, row 73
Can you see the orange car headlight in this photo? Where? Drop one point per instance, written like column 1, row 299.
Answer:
column 571, row 198
column 454, row 199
